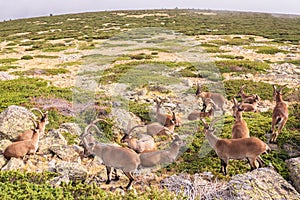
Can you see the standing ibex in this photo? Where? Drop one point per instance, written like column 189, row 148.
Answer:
column 247, row 98
column 217, row 98
column 280, row 113
column 244, row 148
column 41, row 126
column 21, row 148
column 112, row 156
column 239, row 128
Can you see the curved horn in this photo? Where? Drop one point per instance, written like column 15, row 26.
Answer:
column 198, row 91
column 134, row 128
column 204, row 123
column 235, row 102
column 34, row 123
column 280, row 89
column 42, row 114
column 214, row 121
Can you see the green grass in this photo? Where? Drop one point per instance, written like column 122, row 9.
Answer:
column 26, row 57
column 20, row 185
column 47, row 72
column 46, row 56
column 266, row 49
column 7, row 67
column 19, row 91
column 227, row 56
column 8, row 60
column 241, row 66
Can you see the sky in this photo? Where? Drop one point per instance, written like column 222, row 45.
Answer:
column 15, row 9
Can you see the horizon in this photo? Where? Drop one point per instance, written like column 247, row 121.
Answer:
column 22, row 9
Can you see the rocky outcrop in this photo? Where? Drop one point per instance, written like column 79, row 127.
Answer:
column 262, row 183
column 13, row 164
column 294, row 168
column 13, row 120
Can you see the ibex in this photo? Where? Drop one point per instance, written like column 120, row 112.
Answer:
column 113, row 157
column 146, row 143
column 247, row 98
column 161, row 157
column 247, row 107
column 280, row 113
column 216, row 97
column 21, row 148
column 200, row 114
column 244, row 148
column 239, row 128
column 169, row 120
column 41, row 126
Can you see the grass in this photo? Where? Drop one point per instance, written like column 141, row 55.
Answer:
column 26, row 57
column 7, row 67
column 8, row 60
column 19, row 91
column 47, row 72
column 67, row 64
column 46, row 56
column 266, row 49
column 241, row 66
column 227, row 56
column 20, row 185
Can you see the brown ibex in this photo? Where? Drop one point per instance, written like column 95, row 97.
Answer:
column 200, row 114
column 247, row 98
column 280, row 113
column 26, row 135
column 244, row 148
column 113, row 157
column 21, row 148
column 240, row 128
column 217, row 98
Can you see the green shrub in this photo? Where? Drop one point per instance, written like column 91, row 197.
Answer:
column 241, row 66
column 26, row 57
column 8, row 60
column 47, row 72
column 7, row 67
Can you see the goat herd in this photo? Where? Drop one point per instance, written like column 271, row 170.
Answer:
column 143, row 153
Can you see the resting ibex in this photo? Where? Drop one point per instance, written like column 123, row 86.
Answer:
column 161, row 157
column 21, row 148
column 280, row 113
column 247, row 98
column 146, row 143
column 239, row 128
column 200, row 114
column 113, row 157
column 217, row 98
column 169, row 120
column 244, row 148
column 41, row 126
column 247, row 107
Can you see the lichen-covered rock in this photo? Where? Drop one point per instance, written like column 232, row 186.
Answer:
column 13, row 164
column 53, row 138
column 74, row 170
column 294, row 168
column 262, row 183
column 13, row 120
column 2, row 161
column 64, row 152
column 4, row 144
column 72, row 128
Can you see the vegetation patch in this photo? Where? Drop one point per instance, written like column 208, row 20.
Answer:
column 67, row 64
column 47, row 72
column 241, row 66
column 26, row 57
column 19, row 91
column 8, row 60
column 46, row 56
column 7, row 67
column 227, row 56
column 266, row 49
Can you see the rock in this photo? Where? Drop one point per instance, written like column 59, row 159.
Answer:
column 72, row 128
column 74, row 170
column 2, row 161
column 6, row 76
column 13, row 164
column 13, row 120
column 4, row 144
column 53, row 138
column 294, row 168
column 64, row 152
column 262, row 183
column 56, row 181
